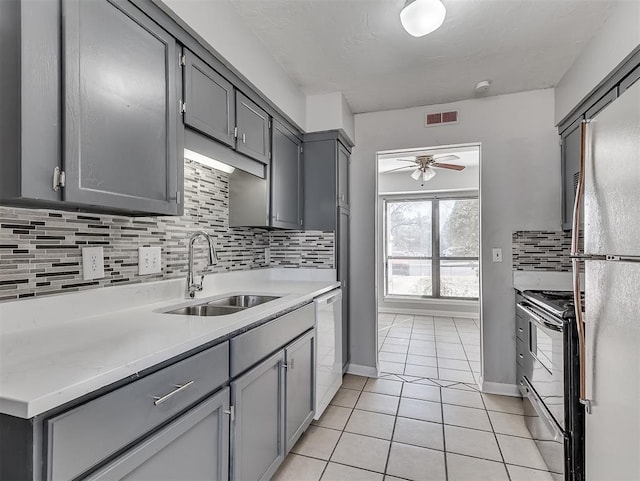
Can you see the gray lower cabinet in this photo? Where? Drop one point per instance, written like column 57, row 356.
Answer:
column 253, row 129
column 299, row 383
column 273, row 405
column 257, row 432
column 193, row 447
column 210, row 100
column 342, row 248
column 121, row 88
column 286, row 179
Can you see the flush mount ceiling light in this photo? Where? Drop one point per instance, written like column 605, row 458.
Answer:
column 208, row 161
column 420, row 17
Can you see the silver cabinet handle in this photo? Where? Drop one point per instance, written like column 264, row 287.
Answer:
column 244, row 138
column 179, row 387
column 231, row 412
column 288, row 365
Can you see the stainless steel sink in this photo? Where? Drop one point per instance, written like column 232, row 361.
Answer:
column 224, row 306
column 243, row 301
column 205, row 310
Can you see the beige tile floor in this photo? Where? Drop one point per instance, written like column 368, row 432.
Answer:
column 427, row 426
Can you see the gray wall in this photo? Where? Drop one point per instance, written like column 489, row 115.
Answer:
column 520, row 189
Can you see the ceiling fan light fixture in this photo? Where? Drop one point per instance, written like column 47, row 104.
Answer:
column 428, row 174
column 421, row 17
column 415, row 175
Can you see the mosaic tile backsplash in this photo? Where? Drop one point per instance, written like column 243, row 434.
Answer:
column 40, row 250
column 541, row 251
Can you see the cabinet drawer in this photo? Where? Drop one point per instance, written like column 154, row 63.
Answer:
column 86, row 435
column 521, row 324
column 254, row 345
column 520, row 352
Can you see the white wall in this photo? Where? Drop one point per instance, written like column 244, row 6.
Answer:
column 616, row 39
column 520, row 190
column 220, row 26
column 329, row 111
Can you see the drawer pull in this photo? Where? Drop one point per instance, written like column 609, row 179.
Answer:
column 520, row 329
column 179, row 387
column 521, row 356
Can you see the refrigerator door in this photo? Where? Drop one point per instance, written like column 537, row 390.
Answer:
column 613, row 371
column 612, row 178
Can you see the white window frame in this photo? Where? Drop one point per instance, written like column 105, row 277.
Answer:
column 435, row 257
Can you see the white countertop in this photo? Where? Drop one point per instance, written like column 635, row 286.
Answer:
column 56, row 349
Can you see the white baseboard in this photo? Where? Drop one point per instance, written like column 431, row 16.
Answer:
column 359, row 370
column 429, row 312
column 499, row 388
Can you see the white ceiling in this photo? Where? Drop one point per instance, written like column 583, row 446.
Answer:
column 359, row 47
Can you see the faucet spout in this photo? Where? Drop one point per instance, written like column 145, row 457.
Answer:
column 193, row 287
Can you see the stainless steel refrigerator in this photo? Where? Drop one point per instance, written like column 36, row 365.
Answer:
column 610, row 351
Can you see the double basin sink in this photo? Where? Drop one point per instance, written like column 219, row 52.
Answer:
column 223, row 306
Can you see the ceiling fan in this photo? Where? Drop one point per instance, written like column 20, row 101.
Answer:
column 424, row 165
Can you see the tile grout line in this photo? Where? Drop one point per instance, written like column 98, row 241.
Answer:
column 495, row 436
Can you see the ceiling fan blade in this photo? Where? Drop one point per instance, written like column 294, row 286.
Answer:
column 448, row 166
column 406, row 167
column 445, row 158
column 407, row 160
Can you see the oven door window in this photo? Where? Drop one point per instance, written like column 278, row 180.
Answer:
column 541, row 346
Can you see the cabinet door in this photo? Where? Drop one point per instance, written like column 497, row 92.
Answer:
column 343, row 176
column 253, row 129
column 571, row 148
column 121, row 109
column 193, row 447
column 286, row 179
column 343, row 276
column 210, row 101
column 257, row 434
column 300, row 368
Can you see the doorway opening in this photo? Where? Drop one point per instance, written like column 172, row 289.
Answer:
column 428, row 266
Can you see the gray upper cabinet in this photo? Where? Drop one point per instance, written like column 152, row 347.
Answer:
column 570, row 157
column 257, row 432
column 253, row 129
column 300, row 366
column 121, row 90
column 326, row 178
column 193, row 447
column 286, row 179
column 344, row 157
column 210, row 101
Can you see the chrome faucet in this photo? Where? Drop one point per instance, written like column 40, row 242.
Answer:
column 192, row 287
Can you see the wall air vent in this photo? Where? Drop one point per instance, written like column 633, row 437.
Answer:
column 441, row 118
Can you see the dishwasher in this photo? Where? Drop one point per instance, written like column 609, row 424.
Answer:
column 328, row 379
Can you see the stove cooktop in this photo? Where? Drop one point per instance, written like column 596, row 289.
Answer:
column 559, row 303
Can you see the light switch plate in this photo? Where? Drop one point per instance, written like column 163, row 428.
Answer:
column 149, row 260
column 497, row 254
column 92, row 263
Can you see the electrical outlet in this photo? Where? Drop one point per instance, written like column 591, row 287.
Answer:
column 92, row 263
column 149, row 260
column 497, row 254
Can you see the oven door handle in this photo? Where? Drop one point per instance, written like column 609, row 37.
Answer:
column 541, row 409
column 538, row 319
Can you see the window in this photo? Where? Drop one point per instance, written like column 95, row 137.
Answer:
column 431, row 247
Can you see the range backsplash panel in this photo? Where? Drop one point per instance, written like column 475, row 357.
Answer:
column 542, row 250
column 40, row 250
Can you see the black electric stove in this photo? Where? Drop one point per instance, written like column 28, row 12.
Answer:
column 552, row 379
column 558, row 303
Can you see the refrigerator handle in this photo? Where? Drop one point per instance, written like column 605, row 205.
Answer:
column 576, row 257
